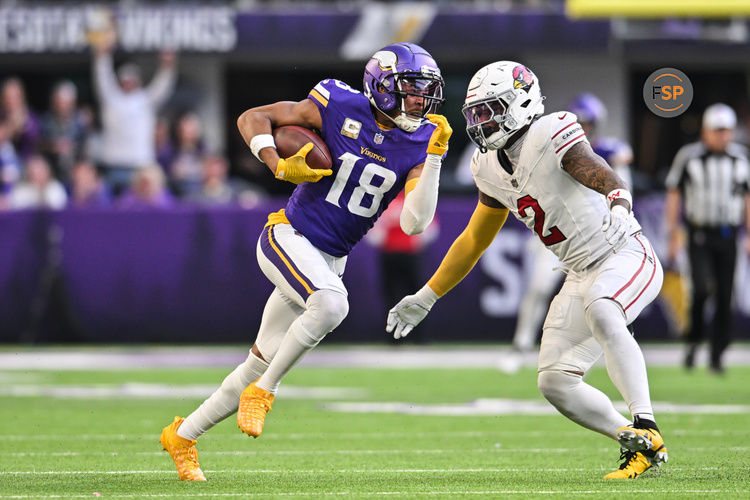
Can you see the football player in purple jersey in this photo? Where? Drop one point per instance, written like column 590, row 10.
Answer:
column 382, row 141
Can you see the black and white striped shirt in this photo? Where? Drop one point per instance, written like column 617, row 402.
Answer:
column 713, row 184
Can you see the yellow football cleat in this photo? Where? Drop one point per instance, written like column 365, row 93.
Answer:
column 647, row 441
column 634, row 465
column 254, row 404
column 182, row 451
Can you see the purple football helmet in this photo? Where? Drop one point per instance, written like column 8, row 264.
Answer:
column 400, row 70
column 588, row 108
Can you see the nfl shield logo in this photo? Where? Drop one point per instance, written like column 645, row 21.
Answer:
column 379, row 138
column 514, row 183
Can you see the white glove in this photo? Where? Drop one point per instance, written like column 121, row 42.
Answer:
column 410, row 311
column 618, row 226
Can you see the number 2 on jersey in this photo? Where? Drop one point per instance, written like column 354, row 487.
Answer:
column 554, row 236
column 369, row 173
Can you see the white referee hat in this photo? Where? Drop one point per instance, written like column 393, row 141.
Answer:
column 718, row 116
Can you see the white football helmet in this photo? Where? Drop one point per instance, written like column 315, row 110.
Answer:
column 502, row 98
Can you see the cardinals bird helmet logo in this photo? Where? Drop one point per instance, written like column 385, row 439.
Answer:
column 522, row 77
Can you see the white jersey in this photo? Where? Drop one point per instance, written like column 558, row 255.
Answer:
column 564, row 214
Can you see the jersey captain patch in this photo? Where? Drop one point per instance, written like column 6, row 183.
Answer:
column 351, row 128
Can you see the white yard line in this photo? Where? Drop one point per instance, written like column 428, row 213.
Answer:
column 345, row 399
column 135, row 390
column 499, row 406
column 373, row 356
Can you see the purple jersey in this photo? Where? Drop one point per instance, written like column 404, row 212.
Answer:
column 370, row 166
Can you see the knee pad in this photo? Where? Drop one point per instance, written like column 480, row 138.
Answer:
column 555, row 384
column 326, row 309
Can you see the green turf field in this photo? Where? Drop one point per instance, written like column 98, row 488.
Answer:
column 74, row 447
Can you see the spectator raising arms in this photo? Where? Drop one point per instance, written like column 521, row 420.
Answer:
column 128, row 113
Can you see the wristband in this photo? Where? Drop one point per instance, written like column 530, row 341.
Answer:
column 261, row 141
column 620, row 194
column 427, row 295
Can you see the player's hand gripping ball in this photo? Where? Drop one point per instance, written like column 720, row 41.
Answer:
column 304, row 155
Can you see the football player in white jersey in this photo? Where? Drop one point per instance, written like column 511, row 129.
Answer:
column 545, row 277
column 543, row 170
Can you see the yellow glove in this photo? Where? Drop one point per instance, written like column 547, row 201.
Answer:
column 439, row 139
column 296, row 170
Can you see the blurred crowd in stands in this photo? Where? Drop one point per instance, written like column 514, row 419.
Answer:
column 135, row 159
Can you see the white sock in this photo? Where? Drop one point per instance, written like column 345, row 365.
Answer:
column 622, row 355
column 646, row 416
column 326, row 309
column 580, row 402
column 295, row 345
column 224, row 401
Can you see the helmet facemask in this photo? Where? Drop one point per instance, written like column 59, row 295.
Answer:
column 502, row 98
column 426, row 86
column 488, row 122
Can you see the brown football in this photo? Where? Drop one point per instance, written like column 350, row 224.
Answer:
column 290, row 138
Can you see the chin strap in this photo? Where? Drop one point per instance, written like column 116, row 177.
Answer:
column 403, row 121
column 406, row 123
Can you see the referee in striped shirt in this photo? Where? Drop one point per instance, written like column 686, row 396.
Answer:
column 713, row 179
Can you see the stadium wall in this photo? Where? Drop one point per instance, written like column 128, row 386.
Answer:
column 189, row 275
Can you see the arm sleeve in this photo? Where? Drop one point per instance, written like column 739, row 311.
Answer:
column 161, row 85
column 105, row 80
column 420, row 202
column 483, row 226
